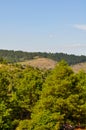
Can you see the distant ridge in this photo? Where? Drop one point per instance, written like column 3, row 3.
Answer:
column 18, row 56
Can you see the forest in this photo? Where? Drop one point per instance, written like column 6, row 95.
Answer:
column 34, row 99
column 17, row 56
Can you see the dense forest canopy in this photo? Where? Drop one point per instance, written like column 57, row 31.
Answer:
column 33, row 99
column 16, row 56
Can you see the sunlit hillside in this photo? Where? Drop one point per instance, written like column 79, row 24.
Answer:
column 45, row 63
column 42, row 63
column 78, row 67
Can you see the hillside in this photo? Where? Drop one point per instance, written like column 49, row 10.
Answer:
column 78, row 67
column 18, row 56
column 45, row 63
column 42, row 63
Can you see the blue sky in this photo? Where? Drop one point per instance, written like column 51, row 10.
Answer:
column 43, row 25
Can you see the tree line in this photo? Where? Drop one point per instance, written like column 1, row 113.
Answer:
column 34, row 99
column 16, row 56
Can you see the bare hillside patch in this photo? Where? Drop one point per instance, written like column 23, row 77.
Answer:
column 42, row 63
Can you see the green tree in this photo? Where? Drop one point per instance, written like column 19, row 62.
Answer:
column 61, row 100
column 28, row 86
column 5, row 110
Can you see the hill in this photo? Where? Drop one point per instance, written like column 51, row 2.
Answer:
column 78, row 67
column 18, row 56
column 45, row 63
column 42, row 63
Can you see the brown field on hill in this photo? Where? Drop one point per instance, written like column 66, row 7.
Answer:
column 45, row 63
column 78, row 67
column 42, row 63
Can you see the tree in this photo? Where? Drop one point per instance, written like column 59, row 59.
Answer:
column 61, row 100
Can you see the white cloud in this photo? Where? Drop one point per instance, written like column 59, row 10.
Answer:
column 80, row 26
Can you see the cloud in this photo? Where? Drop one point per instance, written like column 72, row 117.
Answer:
column 80, row 26
column 51, row 36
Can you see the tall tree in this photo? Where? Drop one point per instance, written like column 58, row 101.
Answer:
column 61, row 100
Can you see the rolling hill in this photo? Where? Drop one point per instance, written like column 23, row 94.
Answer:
column 45, row 63
column 78, row 67
column 17, row 56
column 42, row 63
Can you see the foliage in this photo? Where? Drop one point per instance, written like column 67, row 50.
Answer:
column 34, row 99
column 61, row 100
column 16, row 56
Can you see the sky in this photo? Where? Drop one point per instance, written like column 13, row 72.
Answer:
column 43, row 26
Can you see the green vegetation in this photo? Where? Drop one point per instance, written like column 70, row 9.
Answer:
column 34, row 99
column 16, row 56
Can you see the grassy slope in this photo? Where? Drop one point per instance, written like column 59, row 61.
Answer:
column 42, row 63
column 78, row 67
column 45, row 63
